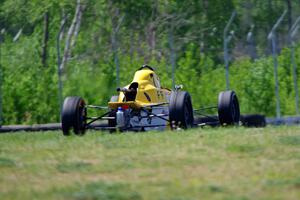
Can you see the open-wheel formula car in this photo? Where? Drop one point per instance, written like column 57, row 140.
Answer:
column 145, row 105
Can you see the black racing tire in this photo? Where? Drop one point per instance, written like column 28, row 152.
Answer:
column 181, row 110
column 253, row 120
column 112, row 123
column 228, row 108
column 73, row 116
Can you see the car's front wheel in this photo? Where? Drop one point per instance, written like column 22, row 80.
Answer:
column 181, row 110
column 74, row 116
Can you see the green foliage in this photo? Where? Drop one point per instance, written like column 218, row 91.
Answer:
column 6, row 162
column 255, row 85
column 31, row 94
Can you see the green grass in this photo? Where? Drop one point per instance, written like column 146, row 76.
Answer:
column 228, row 163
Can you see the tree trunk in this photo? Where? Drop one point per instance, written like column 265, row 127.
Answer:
column 45, row 40
column 77, row 26
column 270, row 7
column 289, row 7
column 140, row 50
column 205, row 5
column 116, row 22
column 71, row 32
column 172, row 52
column 151, row 37
column 131, row 50
column 17, row 36
column 151, row 30
column 62, row 23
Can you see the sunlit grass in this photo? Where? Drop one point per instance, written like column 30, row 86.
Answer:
column 228, row 163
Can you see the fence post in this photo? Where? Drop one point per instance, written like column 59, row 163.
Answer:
column 59, row 71
column 292, row 32
column 115, row 47
column 227, row 39
column 251, row 49
column 272, row 38
column 172, row 53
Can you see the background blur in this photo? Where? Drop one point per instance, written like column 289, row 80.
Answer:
column 95, row 38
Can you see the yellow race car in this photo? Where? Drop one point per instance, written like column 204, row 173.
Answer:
column 145, row 105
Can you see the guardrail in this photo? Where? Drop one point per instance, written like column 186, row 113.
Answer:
column 43, row 127
column 35, row 127
column 289, row 120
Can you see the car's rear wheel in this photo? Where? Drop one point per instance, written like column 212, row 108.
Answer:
column 74, row 116
column 181, row 110
column 228, row 108
column 112, row 122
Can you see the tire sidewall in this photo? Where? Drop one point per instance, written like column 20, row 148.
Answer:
column 228, row 108
column 74, row 116
column 181, row 110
